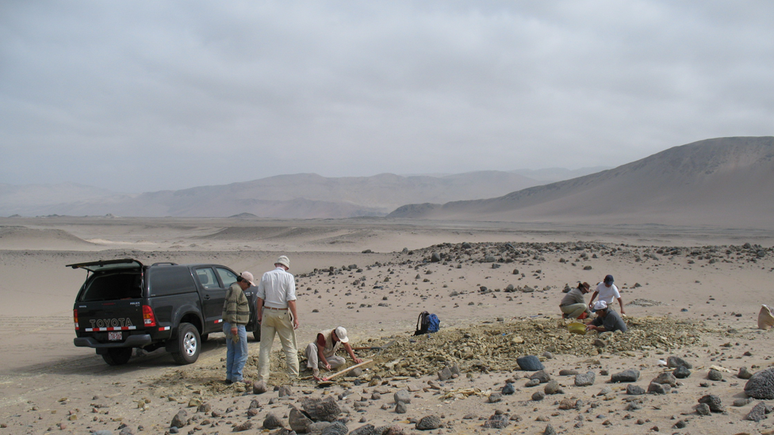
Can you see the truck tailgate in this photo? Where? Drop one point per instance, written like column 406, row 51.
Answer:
column 108, row 321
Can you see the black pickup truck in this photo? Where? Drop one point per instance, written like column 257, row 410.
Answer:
column 124, row 304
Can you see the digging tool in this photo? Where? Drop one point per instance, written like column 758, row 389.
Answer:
column 341, row 372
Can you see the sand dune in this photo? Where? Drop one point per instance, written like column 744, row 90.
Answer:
column 723, row 182
column 47, row 238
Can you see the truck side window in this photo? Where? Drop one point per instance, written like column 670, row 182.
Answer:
column 207, row 278
column 226, row 276
column 170, row 280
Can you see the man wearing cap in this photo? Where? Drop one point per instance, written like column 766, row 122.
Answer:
column 607, row 291
column 321, row 353
column 236, row 314
column 573, row 305
column 606, row 320
column 276, row 312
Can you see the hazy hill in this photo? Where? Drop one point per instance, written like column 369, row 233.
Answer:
column 724, row 181
column 286, row 196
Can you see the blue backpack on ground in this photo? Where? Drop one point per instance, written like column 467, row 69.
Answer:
column 426, row 323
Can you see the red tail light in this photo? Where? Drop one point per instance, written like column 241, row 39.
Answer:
column 148, row 318
column 75, row 318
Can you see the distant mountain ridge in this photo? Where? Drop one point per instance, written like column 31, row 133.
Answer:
column 283, row 196
column 723, row 181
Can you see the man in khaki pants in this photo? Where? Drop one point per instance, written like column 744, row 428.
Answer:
column 276, row 312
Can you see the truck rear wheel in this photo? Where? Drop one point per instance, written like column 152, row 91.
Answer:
column 117, row 356
column 188, row 344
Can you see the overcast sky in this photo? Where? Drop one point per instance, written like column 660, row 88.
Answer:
column 140, row 96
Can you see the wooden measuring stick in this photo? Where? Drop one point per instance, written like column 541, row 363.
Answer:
column 347, row 369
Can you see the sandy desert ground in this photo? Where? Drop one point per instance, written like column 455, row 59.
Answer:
column 704, row 285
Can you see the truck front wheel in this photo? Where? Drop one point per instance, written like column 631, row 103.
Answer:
column 188, row 344
column 117, row 356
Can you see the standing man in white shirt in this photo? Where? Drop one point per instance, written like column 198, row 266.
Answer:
column 276, row 312
column 607, row 291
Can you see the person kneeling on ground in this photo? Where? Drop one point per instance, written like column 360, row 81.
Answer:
column 573, row 305
column 321, row 353
column 606, row 320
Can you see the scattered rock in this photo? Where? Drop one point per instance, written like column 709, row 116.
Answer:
column 532, row 383
column 335, row 428
column 744, row 373
column 713, row 401
column 259, row 387
column 703, row 409
column 298, row 421
column 429, row 422
column 321, row 409
column 758, row 412
column 497, row 421
column 552, row 387
column 585, row 379
column 570, row 403
column 243, row 426
column 284, row 391
column 742, row 402
column 761, row 385
column 508, row 389
column 368, row 429
column 271, row 421
column 634, row 390
column 529, row 363
column 675, row 362
column 541, row 376
column 180, row 419
column 402, row 396
column 630, row 375
column 401, row 408
column 714, row 375
column 681, row 372
column 657, row 388
column 538, row 395
column 666, row 378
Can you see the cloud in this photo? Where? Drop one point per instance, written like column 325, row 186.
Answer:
column 150, row 95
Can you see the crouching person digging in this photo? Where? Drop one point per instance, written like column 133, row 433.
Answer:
column 606, row 320
column 321, row 353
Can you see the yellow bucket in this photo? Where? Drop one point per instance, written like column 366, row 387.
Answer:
column 577, row 328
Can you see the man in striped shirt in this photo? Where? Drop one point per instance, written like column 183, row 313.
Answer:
column 236, row 314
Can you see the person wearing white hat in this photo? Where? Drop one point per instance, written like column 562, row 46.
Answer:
column 236, row 314
column 606, row 320
column 321, row 353
column 277, row 314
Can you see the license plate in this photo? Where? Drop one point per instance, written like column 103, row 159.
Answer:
column 115, row 336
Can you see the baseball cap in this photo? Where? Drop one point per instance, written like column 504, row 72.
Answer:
column 342, row 334
column 600, row 305
column 609, row 279
column 247, row 276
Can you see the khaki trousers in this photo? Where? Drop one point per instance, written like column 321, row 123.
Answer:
column 277, row 322
column 574, row 310
column 313, row 358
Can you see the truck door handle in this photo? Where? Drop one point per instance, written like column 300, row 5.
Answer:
column 207, row 296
